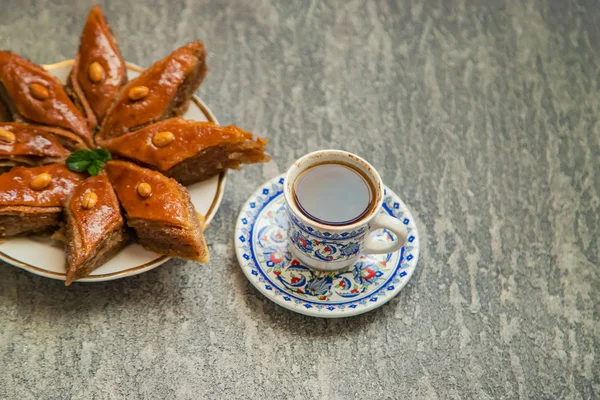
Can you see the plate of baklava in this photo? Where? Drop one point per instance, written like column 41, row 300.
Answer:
column 107, row 169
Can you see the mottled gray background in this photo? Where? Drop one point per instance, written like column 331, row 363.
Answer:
column 482, row 115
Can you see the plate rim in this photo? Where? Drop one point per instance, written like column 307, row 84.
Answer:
column 212, row 210
column 294, row 306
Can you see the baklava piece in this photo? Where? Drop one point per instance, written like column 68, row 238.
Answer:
column 189, row 151
column 160, row 92
column 99, row 71
column 34, row 96
column 159, row 210
column 31, row 199
column 28, row 145
column 95, row 230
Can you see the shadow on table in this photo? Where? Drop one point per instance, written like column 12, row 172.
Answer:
column 165, row 289
column 29, row 293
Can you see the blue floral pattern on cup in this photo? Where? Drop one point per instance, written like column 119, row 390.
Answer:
column 309, row 230
column 328, row 250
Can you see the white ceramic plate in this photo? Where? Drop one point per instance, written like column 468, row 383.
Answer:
column 42, row 256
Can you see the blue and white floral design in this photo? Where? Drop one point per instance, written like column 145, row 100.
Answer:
column 261, row 246
column 302, row 242
column 322, row 249
column 326, row 234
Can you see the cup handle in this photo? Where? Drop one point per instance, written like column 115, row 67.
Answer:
column 382, row 221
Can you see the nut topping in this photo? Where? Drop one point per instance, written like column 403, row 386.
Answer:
column 39, row 91
column 89, row 200
column 138, row 92
column 144, row 189
column 162, row 139
column 6, row 136
column 96, row 72
column 41, row 181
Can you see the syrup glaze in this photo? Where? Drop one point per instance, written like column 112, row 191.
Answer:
column 98, row 45
column 15, row 189
column 17, row 74
column 166, row 204
column 31, row 141
column 163, row 80
column 95, row 222
column 191, row 137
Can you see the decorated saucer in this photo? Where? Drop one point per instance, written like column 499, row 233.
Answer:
column 261, row 247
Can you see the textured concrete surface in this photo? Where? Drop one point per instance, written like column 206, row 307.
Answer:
column 482, row 115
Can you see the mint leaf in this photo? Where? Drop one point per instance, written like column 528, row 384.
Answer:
column 102, row 155
column 95, row 168
column 88, row 160
column 78, row 166
column 80, row 155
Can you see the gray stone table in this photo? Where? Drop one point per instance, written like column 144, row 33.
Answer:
column 483, row 115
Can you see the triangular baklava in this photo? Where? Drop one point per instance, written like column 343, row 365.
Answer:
column 162, row 91
column 29, row 145
column 99, row 71
column 31, row 199
column 189, row 151
column 34, row 96
column 95, row 229
column 159, row 210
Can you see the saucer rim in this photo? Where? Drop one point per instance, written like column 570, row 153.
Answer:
column 321, row 312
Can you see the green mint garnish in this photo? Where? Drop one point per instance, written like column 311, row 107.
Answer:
column 88, row 160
